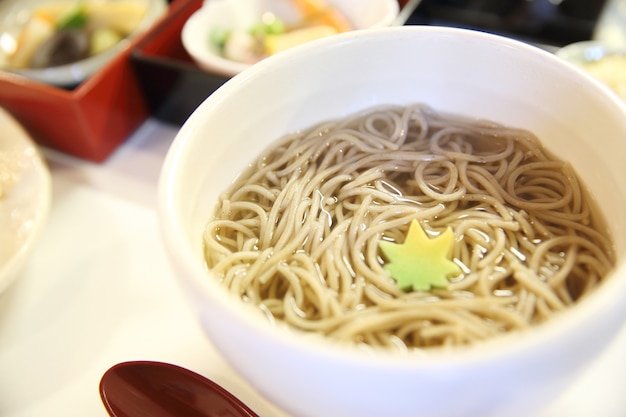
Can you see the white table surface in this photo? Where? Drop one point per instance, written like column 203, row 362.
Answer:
column 99, row 290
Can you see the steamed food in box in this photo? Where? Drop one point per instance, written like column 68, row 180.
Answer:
column 63, row 32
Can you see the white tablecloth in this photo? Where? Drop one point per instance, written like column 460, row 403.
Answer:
column 99, row 290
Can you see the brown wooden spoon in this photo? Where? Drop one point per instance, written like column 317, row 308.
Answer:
column 157, row 389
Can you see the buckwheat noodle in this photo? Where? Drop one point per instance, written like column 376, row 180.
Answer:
column 297, row 234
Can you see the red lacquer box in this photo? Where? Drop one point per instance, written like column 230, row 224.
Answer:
column 89, row 121
column 173, row 84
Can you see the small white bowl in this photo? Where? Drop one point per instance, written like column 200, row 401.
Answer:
column 602, row 60
column 452, row 70
column 242, row 14
column 15, row 13
column 25, row 197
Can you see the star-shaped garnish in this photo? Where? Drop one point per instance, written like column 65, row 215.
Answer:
column 421, row 263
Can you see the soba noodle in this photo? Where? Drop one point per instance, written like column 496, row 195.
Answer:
column 298, row 233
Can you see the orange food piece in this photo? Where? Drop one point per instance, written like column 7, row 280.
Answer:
column 319, row 12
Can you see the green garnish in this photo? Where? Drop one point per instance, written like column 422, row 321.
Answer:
column 74, row 19
column 274, row 26
column 218, row 37
column 421, row 263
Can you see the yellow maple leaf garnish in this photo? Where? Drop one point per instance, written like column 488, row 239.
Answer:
column 421, row 263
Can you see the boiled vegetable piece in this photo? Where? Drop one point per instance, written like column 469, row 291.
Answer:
column 319, row 12
column 39, row 28
column 103, row 39
column 277, row 43
column 64, row 47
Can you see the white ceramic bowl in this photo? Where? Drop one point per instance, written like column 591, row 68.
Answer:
column 452, row 70
column 243, row 14
column 603, row 60
column 25, row 196
column 15, row 13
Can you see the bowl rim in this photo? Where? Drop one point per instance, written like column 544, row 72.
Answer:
column 10, row 271
column 493, row 350
column 203, row 56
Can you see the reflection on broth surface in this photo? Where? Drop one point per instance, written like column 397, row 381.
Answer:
column 302, row 234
